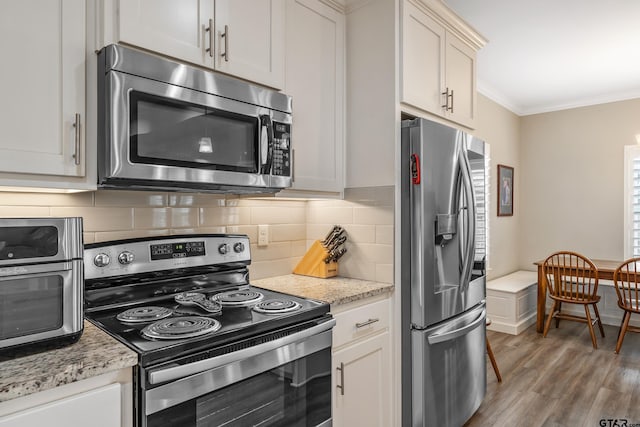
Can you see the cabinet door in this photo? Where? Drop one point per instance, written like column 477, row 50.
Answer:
column 363, row 372
column 250, row 40
column 423, row 44
column 177, row 29
column 42, row 86
column 97, row 408
column 460, row 65
column 314, row 75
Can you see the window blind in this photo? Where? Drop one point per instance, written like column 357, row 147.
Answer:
column 635, row 206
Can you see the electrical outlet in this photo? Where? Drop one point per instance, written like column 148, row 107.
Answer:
column 263, row 235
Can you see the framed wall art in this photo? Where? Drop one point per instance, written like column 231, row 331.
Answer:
column 505, row 190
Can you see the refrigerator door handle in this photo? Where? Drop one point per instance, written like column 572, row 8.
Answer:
column 456, row 333
column 470, row 232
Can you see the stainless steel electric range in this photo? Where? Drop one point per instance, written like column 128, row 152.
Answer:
column 212, row 349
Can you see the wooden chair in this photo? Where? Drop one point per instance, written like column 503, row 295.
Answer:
column 626, row 279
column 492, row 358
column 573, row 279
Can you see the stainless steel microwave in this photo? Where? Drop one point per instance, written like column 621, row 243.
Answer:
column 41, row 283
column 171, row 126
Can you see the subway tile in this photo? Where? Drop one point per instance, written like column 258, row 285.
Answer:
column 361, row 233
column 46, row 199
column 130, row 198
column 104, row 236
column 384, row 273
column 224, row 216
column 196, row 200
column 88, row 238
column 356, row 268
column 266, row 203
column 184, row 217
column 287, row 232
column 273, row 251
column 384, row 234
column 26, row 212
column 263, row 269
column 150, row 218
column 330, row 215
column 318, row 231
column 99, row 219
column 379, row 215
column 200, row 230
column 379, row 254
column 278, row 215
column 250, row 230
column 298, row 248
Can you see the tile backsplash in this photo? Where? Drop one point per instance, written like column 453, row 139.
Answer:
column 294, row 225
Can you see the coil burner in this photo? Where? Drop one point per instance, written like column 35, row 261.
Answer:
column 277, row 306
column 144, row 314
column 238, row 298
column 175, row 328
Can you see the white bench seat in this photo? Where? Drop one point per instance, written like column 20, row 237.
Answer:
column 511, row 301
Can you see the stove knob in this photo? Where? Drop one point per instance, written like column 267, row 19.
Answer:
column 125, row 258
column 238, row 247
column 101, row 260
column 223, row 248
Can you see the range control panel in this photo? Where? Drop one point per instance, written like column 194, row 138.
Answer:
column 177, row 250
column 124, row 257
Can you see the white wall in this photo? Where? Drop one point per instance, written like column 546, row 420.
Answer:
column 571, row 191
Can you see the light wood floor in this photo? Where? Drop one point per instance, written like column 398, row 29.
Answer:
column 561, row 380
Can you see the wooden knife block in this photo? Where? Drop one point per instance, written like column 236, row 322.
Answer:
column 312, row 263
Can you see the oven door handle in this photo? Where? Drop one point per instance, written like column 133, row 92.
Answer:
column 157, row 376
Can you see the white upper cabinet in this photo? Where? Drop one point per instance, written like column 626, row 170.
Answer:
column 438, row 67
column 244, row 38
column 250, row 40
column 314, row 77
column 423, row 42
column 42, row 113
column 177, row 29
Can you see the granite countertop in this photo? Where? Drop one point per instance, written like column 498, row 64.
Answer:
column 334, row 290
column 94, row 354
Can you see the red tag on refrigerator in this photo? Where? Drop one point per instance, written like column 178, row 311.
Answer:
column 415, row 169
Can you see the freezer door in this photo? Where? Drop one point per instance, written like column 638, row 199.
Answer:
column 442, row 205
column 448, row 370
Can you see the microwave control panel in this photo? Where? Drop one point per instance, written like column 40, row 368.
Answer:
column 281, row 149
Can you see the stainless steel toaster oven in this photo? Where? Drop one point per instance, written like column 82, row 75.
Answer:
column 41, row 283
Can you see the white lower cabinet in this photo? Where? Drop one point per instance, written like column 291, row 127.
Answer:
column 362, row 365
column 102, row 401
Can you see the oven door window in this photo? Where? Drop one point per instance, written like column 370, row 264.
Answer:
column 30, row 305
column 176, row 133
column 28, row 242
column 294, row 394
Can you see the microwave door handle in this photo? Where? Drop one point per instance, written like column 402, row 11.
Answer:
column 266, row 147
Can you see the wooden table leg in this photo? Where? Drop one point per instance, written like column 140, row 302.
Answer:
column 542, row 299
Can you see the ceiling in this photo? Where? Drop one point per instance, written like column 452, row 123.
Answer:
column 548, row 55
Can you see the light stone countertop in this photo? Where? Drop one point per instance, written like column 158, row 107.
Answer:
column 334, row 290
column 94, row 354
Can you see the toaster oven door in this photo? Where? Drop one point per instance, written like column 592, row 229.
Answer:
column 40, row 304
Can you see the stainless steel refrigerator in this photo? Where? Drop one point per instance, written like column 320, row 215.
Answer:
column 443, row 274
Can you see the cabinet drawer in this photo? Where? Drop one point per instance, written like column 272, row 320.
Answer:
column 360, row 322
